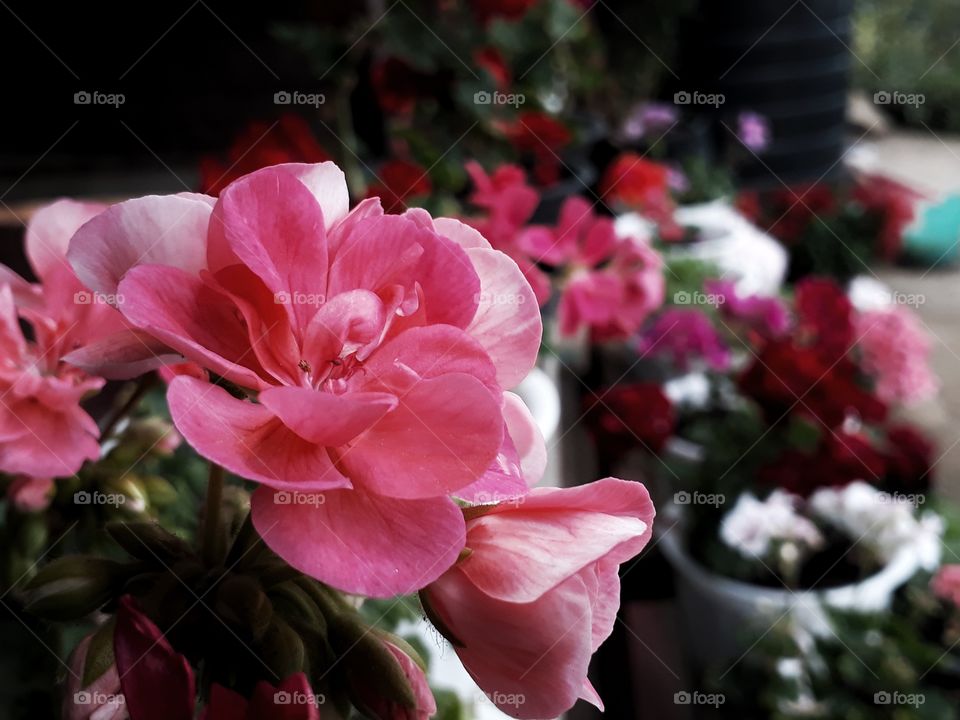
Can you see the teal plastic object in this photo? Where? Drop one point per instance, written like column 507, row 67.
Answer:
column 934, row 238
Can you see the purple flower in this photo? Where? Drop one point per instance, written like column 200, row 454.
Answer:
column 648, row 117
column 753, row 131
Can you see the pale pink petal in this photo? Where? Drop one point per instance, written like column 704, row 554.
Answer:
column 325, row 418
column 248, row 439
column 168, row 230
column 608, row 518
column 527, row 438
column 50, row 229
column 327, row 183
column 194, row 319
column 461, row 233
column 441, row 437
column 507, row 322
column 589, row 693
column 361, row 543
column 530, row 659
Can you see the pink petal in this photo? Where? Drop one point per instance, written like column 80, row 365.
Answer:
column 451, row 288
column 328, row 185
column 349, row 322
column 442, row 436
column 123, row 355
column 324, row 418
column 162, row 230
column 271, row 223
column 50, row 229
column 192, row 318
column 248, row 439
column 607, row 519
column 40, row 441
column 507, row 322
column 461, row 233
column 534, row 653
column 380, row 252
column 361, row 543
column 527, row 438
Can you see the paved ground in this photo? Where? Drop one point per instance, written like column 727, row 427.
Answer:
column 932, row 162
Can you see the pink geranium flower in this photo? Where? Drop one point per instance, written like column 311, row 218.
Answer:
column 509, row 202
column 685, row 336
column 896, row 351
column 946, row 583
column 358, row 362
column 539, row 591
column 612, row 283
column 44, row 432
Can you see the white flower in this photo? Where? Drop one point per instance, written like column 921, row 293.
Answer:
column 753, row 526
column 885, row 524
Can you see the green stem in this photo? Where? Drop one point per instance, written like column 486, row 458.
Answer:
column 212, row 533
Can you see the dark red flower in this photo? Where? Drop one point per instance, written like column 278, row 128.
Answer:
column 397, row 85
column 894, row 203
column 793, row 211
column 259, row 145
column 540, row 137
column 398, row 181
column 839, row 459
column 910, row 459
column 786, row 378
column 631, row 416
column 491, row 60
column 824, row 317
column 487, row 10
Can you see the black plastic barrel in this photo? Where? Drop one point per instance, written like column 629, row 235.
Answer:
column 788, row 60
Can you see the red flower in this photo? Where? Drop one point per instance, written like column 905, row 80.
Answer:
column 630, row 416
column 909, row 459
column 824, row 317
column 397, row 85
column 491, row 60
column 399, row 180
column 838, row 460
column 260, row 145
column 539, row 136
column 786, row 378
column 793, row 211
column 641, row 185
column 894, row 202
column 486, row 10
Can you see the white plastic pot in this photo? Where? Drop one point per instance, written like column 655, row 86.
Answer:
column 722, row 617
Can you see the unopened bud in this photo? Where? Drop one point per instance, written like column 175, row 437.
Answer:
column 72, row 587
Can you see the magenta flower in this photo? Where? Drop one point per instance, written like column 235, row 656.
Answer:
column 764, row 315
column 612, row 284
column 539, row 591
column 44, row 432
column 685, row 335
column 753, row 130
column 357, row 362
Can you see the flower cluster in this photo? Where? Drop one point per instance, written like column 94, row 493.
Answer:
column 356, row 367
